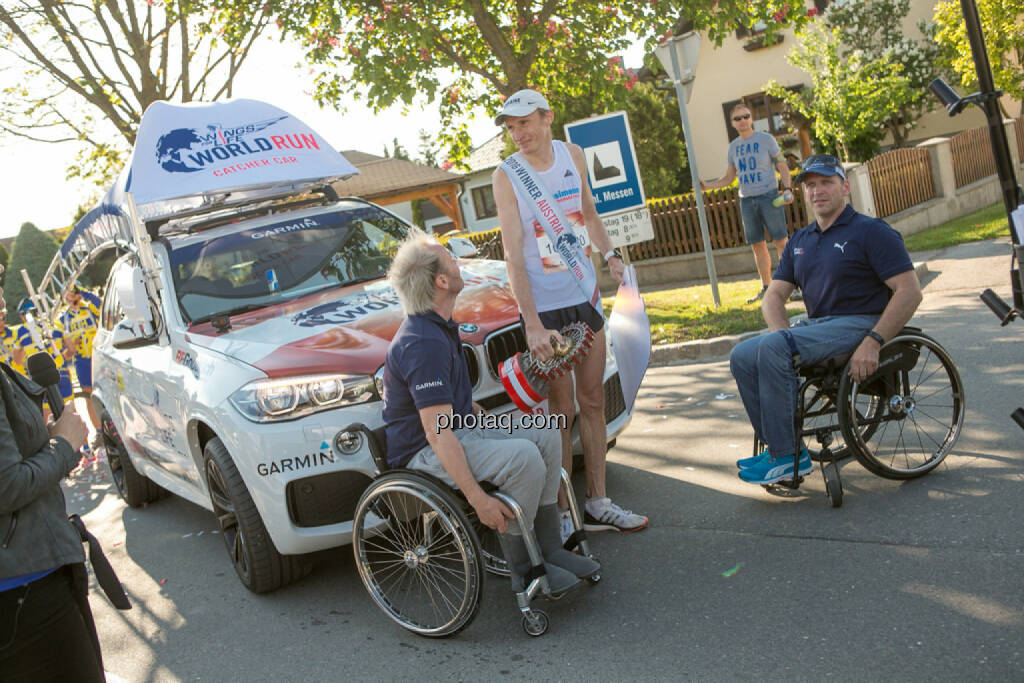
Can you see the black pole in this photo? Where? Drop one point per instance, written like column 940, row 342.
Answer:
column 997, row 132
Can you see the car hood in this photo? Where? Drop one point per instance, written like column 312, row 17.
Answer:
column 348, row 330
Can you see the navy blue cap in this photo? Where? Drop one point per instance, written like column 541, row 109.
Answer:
column 821, row 164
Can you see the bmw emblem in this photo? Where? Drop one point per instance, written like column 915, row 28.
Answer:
column 468, row 328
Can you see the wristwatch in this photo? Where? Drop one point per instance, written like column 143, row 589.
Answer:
column 874, row 335
column 613, row 253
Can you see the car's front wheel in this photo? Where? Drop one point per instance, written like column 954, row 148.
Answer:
column 134, row 488
column 255, row 559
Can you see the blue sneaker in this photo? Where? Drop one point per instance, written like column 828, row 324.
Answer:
column 744, row 463
column 772, row 469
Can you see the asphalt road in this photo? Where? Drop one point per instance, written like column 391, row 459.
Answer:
column 917, row 580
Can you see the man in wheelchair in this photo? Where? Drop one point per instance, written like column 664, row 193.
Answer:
column 426, row 386
column 859, row 288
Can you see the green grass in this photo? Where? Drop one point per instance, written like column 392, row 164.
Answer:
column 688, row 313
column 981, row 225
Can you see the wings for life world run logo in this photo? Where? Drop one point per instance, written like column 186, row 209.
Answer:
column 187, row 150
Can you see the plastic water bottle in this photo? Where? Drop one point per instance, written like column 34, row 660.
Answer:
column 786, row 196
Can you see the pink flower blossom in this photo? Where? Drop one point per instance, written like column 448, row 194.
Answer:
column 551, row 29
column 424, row 54
column 812, row 12
column 353, row 50
column 446, row 165
column 334, row 42
column 368, row 24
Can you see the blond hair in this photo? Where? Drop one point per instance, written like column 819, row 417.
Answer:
column 413, row 270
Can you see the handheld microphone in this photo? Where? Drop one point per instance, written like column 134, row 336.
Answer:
column 43, row 372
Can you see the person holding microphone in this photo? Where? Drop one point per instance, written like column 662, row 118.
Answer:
column 46, row 629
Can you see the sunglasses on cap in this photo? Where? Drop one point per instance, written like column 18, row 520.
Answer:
column 741, row 117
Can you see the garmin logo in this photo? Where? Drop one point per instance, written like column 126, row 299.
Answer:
column 427, row 385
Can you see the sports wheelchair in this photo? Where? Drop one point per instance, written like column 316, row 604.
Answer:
column 421, row 552
column 899, row 423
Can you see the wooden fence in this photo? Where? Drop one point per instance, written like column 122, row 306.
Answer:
column 972, row 156
column 677, row 230
column 900, row 179
column 1019, row 126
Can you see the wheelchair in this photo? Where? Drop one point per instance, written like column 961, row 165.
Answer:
column 422, row 553
column 899, row 423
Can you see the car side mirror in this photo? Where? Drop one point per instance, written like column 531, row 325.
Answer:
column 462, row 247
column 130, row 334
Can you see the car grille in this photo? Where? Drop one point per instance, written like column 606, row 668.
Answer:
column 502, row 345
column 614, row 403
column 472, row 363
column 325, row 498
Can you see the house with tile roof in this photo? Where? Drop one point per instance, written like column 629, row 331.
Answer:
column 396, row 183
column 478, row 198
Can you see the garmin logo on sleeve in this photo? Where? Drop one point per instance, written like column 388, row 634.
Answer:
column 427, row 385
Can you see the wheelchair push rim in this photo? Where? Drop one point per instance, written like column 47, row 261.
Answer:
column 904, row 422
column 417, row 556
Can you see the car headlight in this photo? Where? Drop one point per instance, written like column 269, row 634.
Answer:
column 274, row 400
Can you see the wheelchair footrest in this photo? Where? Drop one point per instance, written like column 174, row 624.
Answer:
column 573, row 542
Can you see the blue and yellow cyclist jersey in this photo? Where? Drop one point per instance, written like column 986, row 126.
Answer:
column 79, row 324
column 47, row 345
column 8, row 342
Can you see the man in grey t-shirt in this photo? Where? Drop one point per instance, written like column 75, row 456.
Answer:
column 754, row 157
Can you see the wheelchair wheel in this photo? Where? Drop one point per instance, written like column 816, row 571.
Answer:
column 904, row 419
column 819, row 412
column 494, row 561
column 833, row 484
column 536, row 624
column 417, row 555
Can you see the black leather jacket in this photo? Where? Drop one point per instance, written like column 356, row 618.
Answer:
column 35, row 534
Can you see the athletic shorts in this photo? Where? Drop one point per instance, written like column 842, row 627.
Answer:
column 83, row 371
column 759, row 215
column 560, row 317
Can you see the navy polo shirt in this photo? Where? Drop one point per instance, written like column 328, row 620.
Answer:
column 842, row 271
column 424, row 367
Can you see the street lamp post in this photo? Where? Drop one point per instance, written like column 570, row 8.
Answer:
column 680, row 54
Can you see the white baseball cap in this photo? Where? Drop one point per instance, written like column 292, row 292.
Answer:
column 521, row 103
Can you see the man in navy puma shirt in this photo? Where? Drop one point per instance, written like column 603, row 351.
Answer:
column 860, row 289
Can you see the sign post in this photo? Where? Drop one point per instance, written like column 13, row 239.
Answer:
column 679, row 57
column 614, row 177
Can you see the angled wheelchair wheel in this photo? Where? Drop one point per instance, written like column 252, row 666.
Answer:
column 904, row 419
column 418, row 555
column 819, row 413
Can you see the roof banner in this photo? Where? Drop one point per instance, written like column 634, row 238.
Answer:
column 204, row 148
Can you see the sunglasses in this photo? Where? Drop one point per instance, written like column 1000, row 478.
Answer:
column 741, row 117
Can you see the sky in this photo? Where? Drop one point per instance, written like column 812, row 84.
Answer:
column 32, row 184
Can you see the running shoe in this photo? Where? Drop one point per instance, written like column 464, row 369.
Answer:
column 772, row 469
column 744, row 463
column 601, row 514
column 757, row 297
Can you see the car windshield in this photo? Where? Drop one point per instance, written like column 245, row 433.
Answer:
column 276, row 262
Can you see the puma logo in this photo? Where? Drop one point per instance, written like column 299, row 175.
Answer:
column 841, row 247
column 568, row 174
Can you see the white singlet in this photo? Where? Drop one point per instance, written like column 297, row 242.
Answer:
column 551, row 283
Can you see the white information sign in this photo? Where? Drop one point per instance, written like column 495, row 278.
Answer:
column 629, row 227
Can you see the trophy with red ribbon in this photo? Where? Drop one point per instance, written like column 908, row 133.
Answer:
column 526, row 379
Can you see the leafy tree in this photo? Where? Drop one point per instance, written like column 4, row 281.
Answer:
column 1002, row 22
column 428, row 148
column 466, row 55
column 86, row 71
column 850, row 98
column 874, row 28
column 5, row 257
column 32, row 251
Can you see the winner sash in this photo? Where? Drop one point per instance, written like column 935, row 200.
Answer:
column 556, row 225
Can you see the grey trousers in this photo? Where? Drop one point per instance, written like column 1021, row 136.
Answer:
column 524, row 464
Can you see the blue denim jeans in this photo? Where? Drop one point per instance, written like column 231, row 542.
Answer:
column 759, row 215
column 765, row 372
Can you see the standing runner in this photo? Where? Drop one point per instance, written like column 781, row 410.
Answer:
column 551, row 294
column 79, row 322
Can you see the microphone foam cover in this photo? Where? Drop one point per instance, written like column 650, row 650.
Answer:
column 42, row 369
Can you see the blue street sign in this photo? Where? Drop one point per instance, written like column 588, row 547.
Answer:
column 611, row 161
